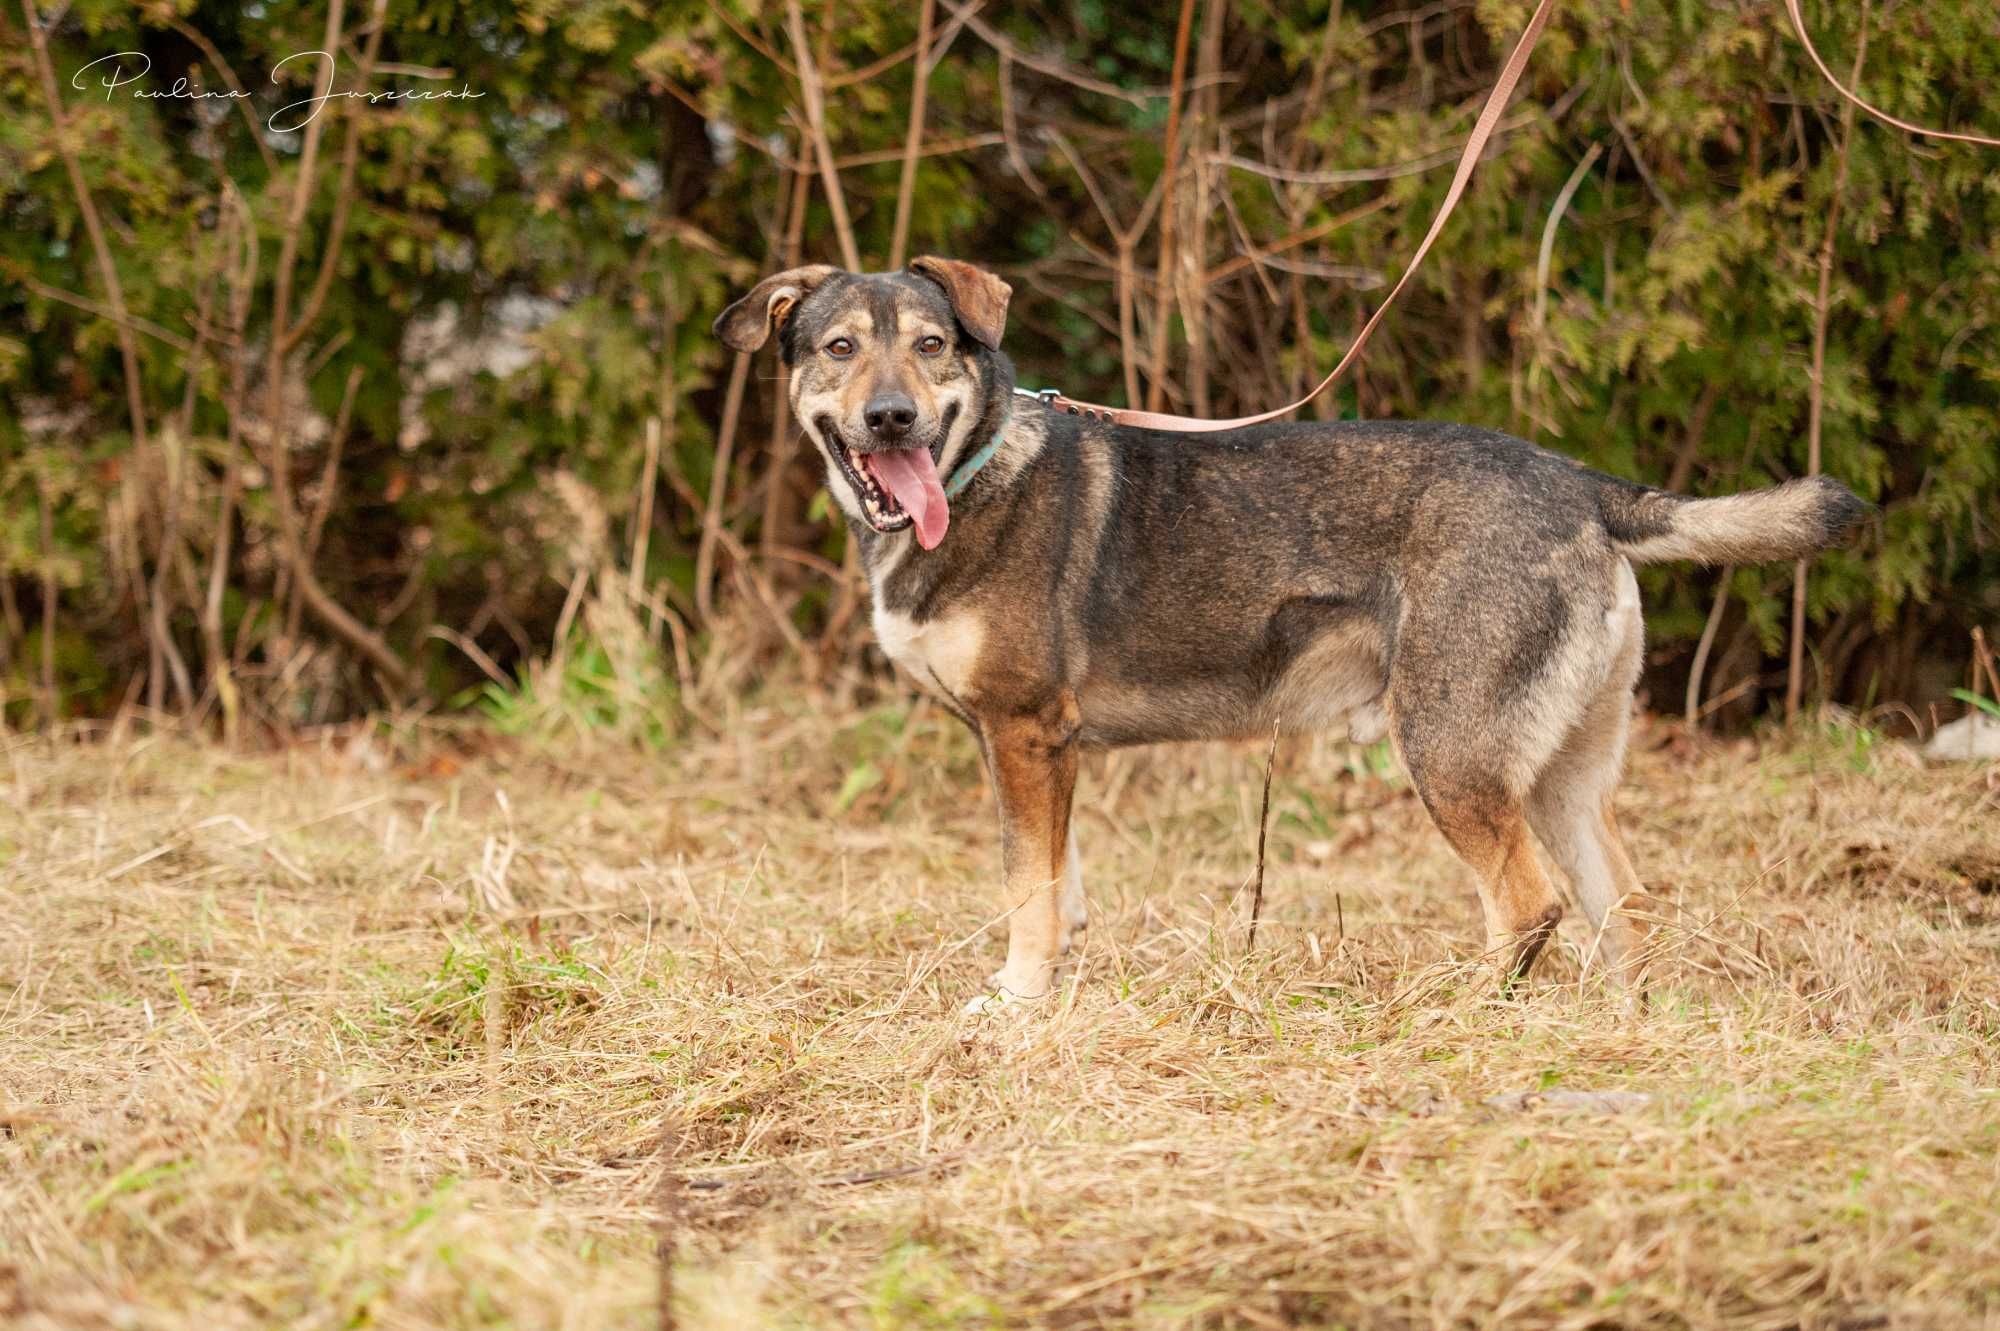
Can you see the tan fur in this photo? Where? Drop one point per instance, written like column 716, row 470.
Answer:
column 1519, row 903
column 1367, row 724
column 1571, row 810
column 1588, row 656
column 941, row 654
column 1034, row 760
column 1336, row 677
column 1335, row 681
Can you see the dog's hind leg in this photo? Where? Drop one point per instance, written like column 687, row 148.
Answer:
column 1486, row 825
column 1519, row 902
column 1570, row 808
column 1573, row 816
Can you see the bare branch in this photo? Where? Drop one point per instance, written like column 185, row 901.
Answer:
column 100, row 245
column 1052, row 68
column 317, row 599
column 343, row 194
column 790, row 251
column 718, row 483
column 1317, row 231
column 114, row 291
column 1164, row 296
column 1010, row 131
column 242, row 98
column 1816, row 402
column 809, row 88
column 846, row 77
column 913, row 141
column 239, row 232
column 132, row 321
column 752, row 40
column 1698, row 672
column 933, row 148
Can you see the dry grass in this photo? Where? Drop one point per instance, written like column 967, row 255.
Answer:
column 372, row 1032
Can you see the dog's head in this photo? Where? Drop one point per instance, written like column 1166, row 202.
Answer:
column 891, row 374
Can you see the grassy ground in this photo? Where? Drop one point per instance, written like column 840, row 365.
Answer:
column 417, row 1028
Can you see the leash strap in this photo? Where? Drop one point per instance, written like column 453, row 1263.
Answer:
column 1475, row 145
column 1799, row 26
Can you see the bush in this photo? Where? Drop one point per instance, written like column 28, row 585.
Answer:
column 492, row 289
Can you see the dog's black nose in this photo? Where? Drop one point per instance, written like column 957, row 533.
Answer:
column 890, row 415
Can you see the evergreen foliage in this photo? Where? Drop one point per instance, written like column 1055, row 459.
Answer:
column 528, row 275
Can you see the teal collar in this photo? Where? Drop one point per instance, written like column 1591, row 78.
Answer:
column 962, row 475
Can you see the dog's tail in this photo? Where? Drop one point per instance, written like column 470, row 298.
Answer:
column 1789, row 521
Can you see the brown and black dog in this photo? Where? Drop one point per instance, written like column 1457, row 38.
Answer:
column 1089, row 584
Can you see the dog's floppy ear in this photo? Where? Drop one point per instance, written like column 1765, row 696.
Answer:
column 747, row 325
column 978, row 298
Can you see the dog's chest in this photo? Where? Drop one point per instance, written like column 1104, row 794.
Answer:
column 941, row 654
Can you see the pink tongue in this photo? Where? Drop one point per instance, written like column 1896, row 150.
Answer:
column 911, row 476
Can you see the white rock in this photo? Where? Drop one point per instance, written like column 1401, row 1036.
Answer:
column 1589, row 1102
column 1968, row 739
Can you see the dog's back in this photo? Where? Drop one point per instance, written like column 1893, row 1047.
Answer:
column 1261, row 578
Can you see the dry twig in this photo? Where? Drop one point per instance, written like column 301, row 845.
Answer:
column 1816, row 401
column 815, row 126
column 913, row 141
column 1163, row 280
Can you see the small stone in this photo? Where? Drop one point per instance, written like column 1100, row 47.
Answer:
column 1587, row 1102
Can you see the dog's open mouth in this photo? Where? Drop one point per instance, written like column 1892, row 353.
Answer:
column 898, row 488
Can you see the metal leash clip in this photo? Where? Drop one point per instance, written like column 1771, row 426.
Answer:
column 1053, row 399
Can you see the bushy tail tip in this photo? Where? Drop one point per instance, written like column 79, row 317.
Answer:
column 1791, row 521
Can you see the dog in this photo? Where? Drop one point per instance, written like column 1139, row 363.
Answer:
column 1062, row 583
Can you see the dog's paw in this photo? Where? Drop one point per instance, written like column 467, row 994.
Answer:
column 1004, row 998
column 997, row 1015
column 1001, row 1020
column 982, row 1006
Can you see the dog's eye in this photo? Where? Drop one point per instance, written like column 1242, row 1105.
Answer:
column 931, row 345
column 840, row 348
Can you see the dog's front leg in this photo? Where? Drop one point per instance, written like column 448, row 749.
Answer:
column 1034, row 772
column 1075, row 909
